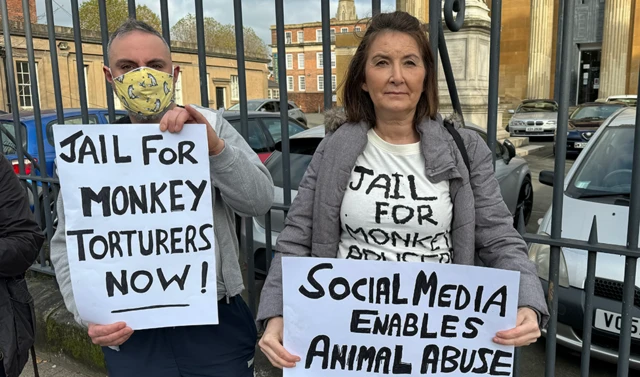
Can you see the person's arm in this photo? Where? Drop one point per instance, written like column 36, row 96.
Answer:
column 20, row 235
column 498, row 244
column 244, row 182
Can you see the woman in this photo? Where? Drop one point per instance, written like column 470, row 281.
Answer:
column 393, row 152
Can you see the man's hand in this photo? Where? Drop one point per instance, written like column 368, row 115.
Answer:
column 271, row 345
column 526, row 331
column 176, row 118
column 110, row 335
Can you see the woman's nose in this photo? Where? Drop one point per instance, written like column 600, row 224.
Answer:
column 397, row 74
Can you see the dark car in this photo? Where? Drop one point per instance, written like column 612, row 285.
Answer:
column 265, row 130
column 273, row 106
column 585, row 121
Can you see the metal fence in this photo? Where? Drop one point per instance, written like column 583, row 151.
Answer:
column 43, row 189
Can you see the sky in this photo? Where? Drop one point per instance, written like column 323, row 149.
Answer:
column 257, row 14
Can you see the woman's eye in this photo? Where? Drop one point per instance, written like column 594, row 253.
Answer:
column 381, row 63
column 410, row 62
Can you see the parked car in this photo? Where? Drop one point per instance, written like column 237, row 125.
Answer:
column 598, row 184
column 629, row 99
column 536, row 117
column 584, row 122
column 265, row 130
column 512, row 172
column 273, row 106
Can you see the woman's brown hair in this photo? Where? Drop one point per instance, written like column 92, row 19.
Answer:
column 357, row 103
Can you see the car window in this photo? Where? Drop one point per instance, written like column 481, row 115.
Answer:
column 8, row 146
column 93, row 119
column 269, row 107
column 607, row 167
column 537, row 107
column 257, row 140
column 274, row 126
column 291, row 107
column 298, row 162
column 594, row 112
column 117, row 117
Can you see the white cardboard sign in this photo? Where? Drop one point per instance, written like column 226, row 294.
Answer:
column 369, row 318
column 139, row 224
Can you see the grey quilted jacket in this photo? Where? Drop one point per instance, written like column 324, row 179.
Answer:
column 482, row 227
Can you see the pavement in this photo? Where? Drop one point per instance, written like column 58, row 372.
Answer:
column 65, row 350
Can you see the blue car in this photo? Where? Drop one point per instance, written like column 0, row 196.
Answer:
column 30, row 138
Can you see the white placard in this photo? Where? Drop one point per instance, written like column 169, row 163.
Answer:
column 139, row 223
column 368, row 318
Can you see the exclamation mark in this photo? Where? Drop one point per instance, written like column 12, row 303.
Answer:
column 205, row 268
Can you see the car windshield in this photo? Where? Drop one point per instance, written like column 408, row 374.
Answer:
column 537, row 107
column 606, row 170
column 251, row 106
column 594, row 112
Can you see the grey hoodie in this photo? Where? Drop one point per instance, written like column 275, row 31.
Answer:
column 242, row 185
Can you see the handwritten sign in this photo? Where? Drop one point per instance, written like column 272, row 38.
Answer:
column 139, row 224
column 363, row 318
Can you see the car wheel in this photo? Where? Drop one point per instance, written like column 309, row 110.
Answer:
column 525, row 202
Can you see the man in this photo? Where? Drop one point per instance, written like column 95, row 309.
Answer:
column 143, row 76
column 20, row 241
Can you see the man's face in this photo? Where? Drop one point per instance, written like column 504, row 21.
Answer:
column 138, row 49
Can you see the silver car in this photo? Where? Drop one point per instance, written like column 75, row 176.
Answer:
column 512, row 173
column 273, row 106
column 537, row 117
column 598, row 184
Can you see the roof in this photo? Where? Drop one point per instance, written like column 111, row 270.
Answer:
column 623, row 117
column 539, row 100
column 600, row 104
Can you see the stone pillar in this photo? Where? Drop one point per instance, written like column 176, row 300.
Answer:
column 615, row 47
column 540, row 49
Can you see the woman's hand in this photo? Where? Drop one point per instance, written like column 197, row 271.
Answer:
column 271, row 345
column 526, row 331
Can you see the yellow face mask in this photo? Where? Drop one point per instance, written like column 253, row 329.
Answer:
column 144, row 91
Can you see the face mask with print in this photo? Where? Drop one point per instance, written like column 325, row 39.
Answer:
column 144, row 91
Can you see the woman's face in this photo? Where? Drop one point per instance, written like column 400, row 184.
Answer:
column 394, row 75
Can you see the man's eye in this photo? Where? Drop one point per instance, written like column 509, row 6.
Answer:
column 157, row 66
column 126, row 67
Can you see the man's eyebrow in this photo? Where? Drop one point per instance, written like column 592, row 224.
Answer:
column 123, row 61
column 152, row 61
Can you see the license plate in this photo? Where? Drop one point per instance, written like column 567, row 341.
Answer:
column 579, row 145
column 534, row 129
column 612, row 322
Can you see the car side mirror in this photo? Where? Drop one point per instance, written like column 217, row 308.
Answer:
column 512, row 111
column 546, row 177
column 511, row 151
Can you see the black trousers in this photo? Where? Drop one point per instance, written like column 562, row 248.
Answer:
column 224, row 350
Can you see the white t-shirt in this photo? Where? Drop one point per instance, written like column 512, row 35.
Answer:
column 391, row 211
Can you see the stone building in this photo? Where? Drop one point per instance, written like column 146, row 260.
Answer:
column 222, row 72
column 605, row 47
column 305, row 72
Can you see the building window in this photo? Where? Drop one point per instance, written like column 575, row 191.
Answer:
column 302, row 84
column 300, row 36
column 319, row 35
column 333, row 59
column 333, row 83
column 344, row 30
column 287, row 37
column 289, row 83
column 276, row 93
column 289, row 61
column 24, row 84
column 320, row 82
column 300, row 61
column 319, row 60
column 357, row 28
column 333, row 35
column 235, row 88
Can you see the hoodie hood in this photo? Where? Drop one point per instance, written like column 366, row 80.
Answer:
column 336, row 117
